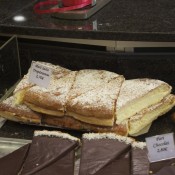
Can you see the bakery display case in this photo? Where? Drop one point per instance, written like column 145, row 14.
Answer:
column 76, row 60
column 10, row 71
column 159, row 66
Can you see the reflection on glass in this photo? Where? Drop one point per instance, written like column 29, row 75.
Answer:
column 19, row 18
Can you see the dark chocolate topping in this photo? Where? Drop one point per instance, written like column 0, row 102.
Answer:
column 169, row 170
column 63, row 166
column 97, row 154
column 139, row 161
column 44, row 152
column 157, row 166
column 12, row 163
column 119, row 166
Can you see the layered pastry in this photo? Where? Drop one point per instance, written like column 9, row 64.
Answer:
column 105, row 154
column 138, row 94
column 51, row 153
column 38, row 97
column 142, row 131
column 19, row 113
column 52, row 100
column 67, row 122
column 12, row 163
column 20, row 89
column 93, row 97
column 25, row 84
column 148, row 115
column 141, row 164
column 90, row 100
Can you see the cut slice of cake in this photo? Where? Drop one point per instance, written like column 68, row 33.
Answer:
column 142, row 131
column 24, row 84
column 148, row 115
column 139, row 159
column 89, row 79
column 93, row 98
column 138, row 94
column 72, row 123
column 104, row 153
column 19, row 113
column 140, row 164
column 12, row 163
column 51, row 153
column 52, row 100
column 21, row 88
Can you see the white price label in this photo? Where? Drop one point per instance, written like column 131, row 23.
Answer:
column 40, row 75
column 160, row 147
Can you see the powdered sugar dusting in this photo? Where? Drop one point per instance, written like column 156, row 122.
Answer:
column 10, row 102
column 57, row 71
column 24, row 83
column 102, row 97
column 55, row 134
column 58, row 88
column 89, row 79
column 132, row 89
column 97, row 136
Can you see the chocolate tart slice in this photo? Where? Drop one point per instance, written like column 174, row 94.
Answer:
column 12, row 163
column 105, row 153
column 140, row 164
column 51, row 153
column 169, row 170
column 159, row 166
column 139, row 159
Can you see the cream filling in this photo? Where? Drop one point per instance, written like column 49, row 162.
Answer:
column 142, row 131
column 137, row 105
column 45, row 111
column 92, row 120
column 137, row 124
column 13, row 117
column 19, row 96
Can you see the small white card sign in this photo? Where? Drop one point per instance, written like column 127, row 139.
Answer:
column 160, row 147
column 40, row 74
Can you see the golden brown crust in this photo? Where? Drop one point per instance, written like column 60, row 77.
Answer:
column 57, row 113
column 18, row 112
column 53, row 98
column 43, row 100
column 94, row 102
column 71, row 123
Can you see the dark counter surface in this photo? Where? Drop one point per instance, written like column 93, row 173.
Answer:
column 138, row 20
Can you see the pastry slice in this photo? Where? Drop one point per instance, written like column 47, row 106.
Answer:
column 52, row 100
column 104, row 153
column 12, row 163
column 142, row 131
column 140, row 164
column 19, row 113
column 21, row 88
column 138, row 94
column 139, row 159
column 89, row 79
column 24, row 84
column 96, row 106
column 67, row 122
column 51, row 153
column 148, row 115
